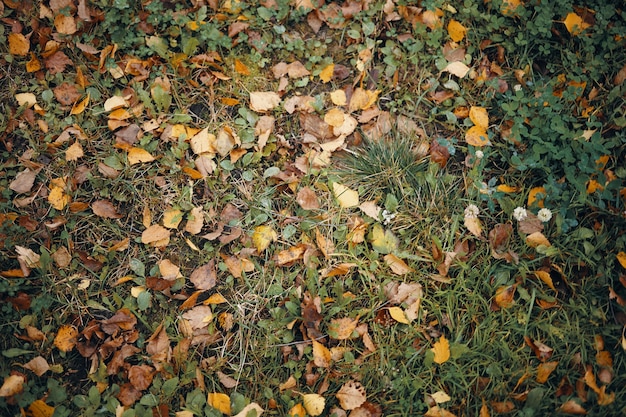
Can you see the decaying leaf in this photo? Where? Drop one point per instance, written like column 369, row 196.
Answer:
column 351, row 395
column 39, row 408
column 106, row 209
column 321, row 355
column 38, row 365
column 155, row 233
column 572, row 407
column 205, row 276
column 456, row 30
column 342, row 328
column 250, row 409
column 383, row 241
column 262, row 101
column 314, row 404
column 505, row 296
column 65, row 339
column 199, row 317
column 307, row 199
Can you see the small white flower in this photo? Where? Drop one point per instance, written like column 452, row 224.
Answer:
column 544, row 215
column 471, row 211
column 387, row 217
column 517, row 87
column 480, row 154
column 520, row 213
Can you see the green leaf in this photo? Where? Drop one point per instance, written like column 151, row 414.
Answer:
column 15, row 352
column 170, row 386
column 144, row 300
column 162, row 98
column 137, row 267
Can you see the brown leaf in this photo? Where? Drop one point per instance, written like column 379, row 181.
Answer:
column 205, row 276
column 13, row 384
column 306, row 198
column 199, row 317
column 123, row 319
column 66, row 93
column 24, row 181
column 57, row 62
column 342, row 328
column 542, row 351
column 572, row 407
column 38, row 365
column 155, row 234
column 106, row 209
column 530, row 224
column 499, row 236
column 225, row 380
column 397, row 265
column 128, row 394
column 311, row 317
column 439, row 154
column 141, row 376
column 159, row 342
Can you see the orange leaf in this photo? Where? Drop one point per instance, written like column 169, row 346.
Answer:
column 12, row 385
column 537, row 239
column 575, row 24
column 327, row 73
column 397, row 265
column 39, row 408
column 441, row 350
column 546, row 278
column 220, row 402
column 80, row 106
column 138, row 155
column 544, row 370
column 477, row 136
column 241, row 68
column 505, row 296
column 456, row 31
column 479, row 116
column 533, row 196
column 18, row 44
column 321, row 355
column 621, row 258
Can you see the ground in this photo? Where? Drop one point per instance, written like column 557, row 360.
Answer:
column 299, row 207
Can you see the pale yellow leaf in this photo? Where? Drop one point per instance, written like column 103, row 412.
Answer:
column 314, row 404
column 321, row 355
column 345, row 196
column 114, row 103
column 441, row 350
column 154, row 233
column 169, row 270
column 440, row 397
column 351, row 395
column 74, row 152
column 262, row 101
column 338, row 97
column 537, row 239
column 172, row 218
column 248, row 408
column 195, row 221
column 138, row 155
column 12, row 385
column 398, row 315
column 203, row 142
column 457, row 68
column 26, row 99
column 474, row 225
column 335, row 117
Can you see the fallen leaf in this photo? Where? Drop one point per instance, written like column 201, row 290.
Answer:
column 195, row 221
column 572, row 407
column 343, row 328
column 80, row 106
column 345, row 196
column 205, row 276
column 479, row 116
column 398, row 315
column 575, row 24
column 154, row 233
column 138, row 155
column 297, row 410
column 105, row 209
column 38, row 365
column 250, row 410
column 440, row 397
column 383, row 241
column 307, row 199
column 27, row 256
column 621, row 258
column 12, row 385
column 505, row 296
column 477, row 136
column 39, row 408
column 535, row 195
column 546, row 278
column 225, row 380
column 544, row 370
column 397, row 265
column 220, row 402
column 57, row 196
column 199, row 317
column 262, row 237
column 26, row 99
column 74, row 152
column 325, row 245
column 321, row 355
column 314, row 404
column 537, row 239
column 65, row 339
column 457, row 68
column 288, row 256
column 351, row 395
column 441, row 350
column 141, row 376
column 25, row 180
column 474, row 225
column 326, row 74
column 437, row 411
column 262, row 101
column 172, row 218
column 456, row 31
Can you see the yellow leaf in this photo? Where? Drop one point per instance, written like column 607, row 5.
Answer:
column 335, row 117
column 546, row 278
column 172, row 218
column 477, row 136
column 219, row 401
column 26, row 99
column 297, row 411
column 327, row 73
column 80, row 106
column 74, row 152
column 362, row 99
column 114, row 103
column 321, row 355
column 18, row 44
column 456, row 31
column 314, row 404
column 262, row 101
column 262, row 237
column 398, row 315
column 479, row 116
column 537, row 239
column 621, row 258
column 338, row 97
column 345, row 196
column 154, row 233
column 441, row 350
column 351, row 395
column 65, row 339
column 440, row 397
column 57, row 197
column 33, row 65
column 575, row 24
column 509, row 7
column 437, row 411
column 533, row 196
column 138, row 155
column 216, row 298
column 397, row 265
column 593, row 186
column 342, row 329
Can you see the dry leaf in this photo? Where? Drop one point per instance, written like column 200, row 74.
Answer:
column 572, row 407
column 204, row 277
column 440, row 397
column 74, row 152
column 351, row 395
column 105, row 209
column 24, row 181
column 327, row 73
column 12, row 385
column 325, row 245
column 321, row 355
column 38, row 365
column 474, row 225
column 546, row 278
column 343, row 328
column 138, row 155
column 505, row 296
column 169, row 270
column 65, row 339
column 39, row 408
column 154, row 233
column 441, row 350
column 533, row 196
column 397, row 265
column 248, row 408
column 199, row 317
column 477, row 136
column 195, row 221
column 621, row 258
column 297, row 411
column 314, row 404
column 262, row 101
column 225, row 380
column 544, row 370
column 479, row 116
column 437, row 411
column 172, row 218
column 456, row 31
column 457, row 68
column 575, row 24
column 307, row 199
column 262, row 237
column 537, row 239
column 345, row 196
column 398, row 315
